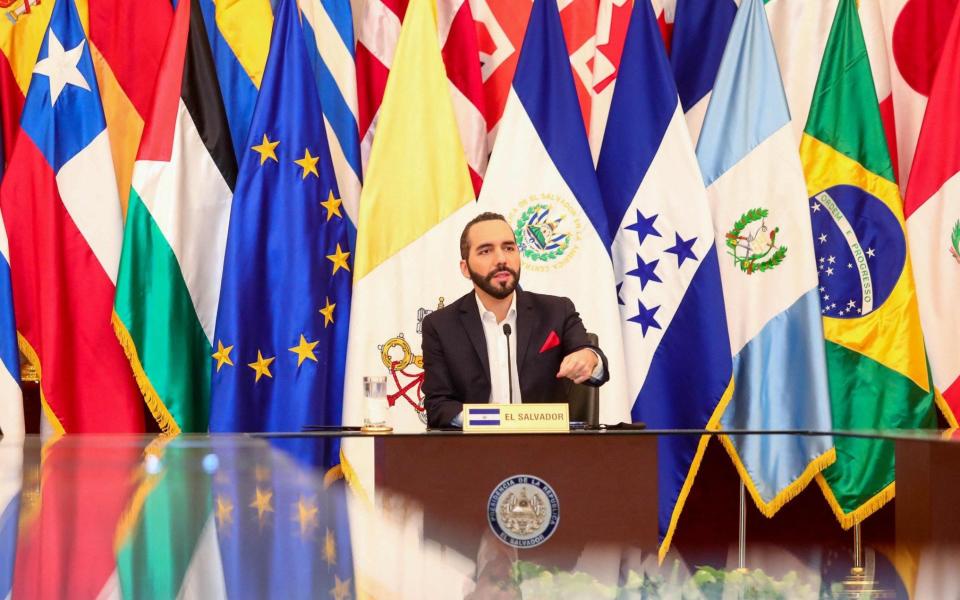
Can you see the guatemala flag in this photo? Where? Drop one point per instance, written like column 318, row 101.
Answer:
column 671, row 301
column 281, row 334
column 749, row 160
column 541, row 178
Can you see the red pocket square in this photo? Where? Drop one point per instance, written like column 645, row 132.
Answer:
column 553, row 340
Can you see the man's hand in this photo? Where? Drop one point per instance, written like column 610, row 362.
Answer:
column 578, row 366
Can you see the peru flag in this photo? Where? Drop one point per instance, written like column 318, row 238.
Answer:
column 932, row 208
column 60, row 204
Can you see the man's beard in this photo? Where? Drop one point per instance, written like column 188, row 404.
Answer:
column 498, row 290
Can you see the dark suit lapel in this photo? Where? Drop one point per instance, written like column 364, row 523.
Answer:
column 470, row 318
column 528, row 321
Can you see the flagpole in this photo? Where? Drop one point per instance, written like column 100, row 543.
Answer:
column 742, row 537
column 857, row 552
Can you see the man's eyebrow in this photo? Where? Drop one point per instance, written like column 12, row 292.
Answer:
column 484, row 245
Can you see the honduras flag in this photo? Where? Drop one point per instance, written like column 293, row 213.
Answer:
column 281, row 333
column 700, row 32
column 671, row 301
column 11, row 396
column 748, row 156
column 542, row 179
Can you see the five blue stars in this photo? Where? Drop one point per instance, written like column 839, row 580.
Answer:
column 645, row 317
column 683, row 249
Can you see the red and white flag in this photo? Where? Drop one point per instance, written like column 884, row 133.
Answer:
column 378, row 29
column 914, row 32
column 932, row 209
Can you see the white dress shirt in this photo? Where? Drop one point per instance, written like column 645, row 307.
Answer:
column 497, row 352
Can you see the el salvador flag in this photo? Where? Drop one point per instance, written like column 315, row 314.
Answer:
column 750, row 163
column 11, row 396
column 284, row 311
column 671, row 301
column 542, row 179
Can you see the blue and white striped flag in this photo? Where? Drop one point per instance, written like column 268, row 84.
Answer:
column 11, row 397
column 541, row 177
column 328, row 27
column 671, row 302
column 483, row 417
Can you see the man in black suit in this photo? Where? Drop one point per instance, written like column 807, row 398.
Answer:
column 465, row 346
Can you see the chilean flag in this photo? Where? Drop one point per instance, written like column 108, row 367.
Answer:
column 60, row 204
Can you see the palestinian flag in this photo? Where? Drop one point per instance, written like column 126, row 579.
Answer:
column 176, row 231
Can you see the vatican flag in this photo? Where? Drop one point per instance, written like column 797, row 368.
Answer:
column 416, row 199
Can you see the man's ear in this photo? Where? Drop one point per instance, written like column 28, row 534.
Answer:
column 464, row 269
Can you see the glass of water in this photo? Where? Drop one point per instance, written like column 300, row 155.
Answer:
column 375, row 403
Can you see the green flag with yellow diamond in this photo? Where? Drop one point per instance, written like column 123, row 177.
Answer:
column 876, row 363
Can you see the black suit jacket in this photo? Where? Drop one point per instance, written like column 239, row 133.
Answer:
column 455, row 363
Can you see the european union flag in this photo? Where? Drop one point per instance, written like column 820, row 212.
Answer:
column 281, row 333
column 282, row 530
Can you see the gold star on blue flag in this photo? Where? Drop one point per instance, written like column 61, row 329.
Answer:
column 288, row 261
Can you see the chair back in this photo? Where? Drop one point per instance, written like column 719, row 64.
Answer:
column 584, row 400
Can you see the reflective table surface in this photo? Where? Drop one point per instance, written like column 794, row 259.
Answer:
column 282, row 516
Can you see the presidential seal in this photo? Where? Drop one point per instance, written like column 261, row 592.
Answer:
column 753, row 244
column 548, row 231
column 523, row 511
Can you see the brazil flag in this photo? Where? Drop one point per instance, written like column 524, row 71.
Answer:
column 876, row 363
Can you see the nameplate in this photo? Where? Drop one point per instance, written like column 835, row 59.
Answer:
column 516, row 418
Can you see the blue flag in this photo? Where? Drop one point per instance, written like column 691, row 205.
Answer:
column 666, row 265
column 285, row 297
column 700, row 32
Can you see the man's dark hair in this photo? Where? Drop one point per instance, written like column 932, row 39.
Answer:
column 485, row 216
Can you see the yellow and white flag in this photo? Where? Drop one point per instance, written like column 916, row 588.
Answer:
column 416, row 198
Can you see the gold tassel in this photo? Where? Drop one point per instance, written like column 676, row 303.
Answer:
column 157, row 408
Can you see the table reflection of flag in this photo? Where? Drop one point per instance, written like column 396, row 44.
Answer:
column 282, row 528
